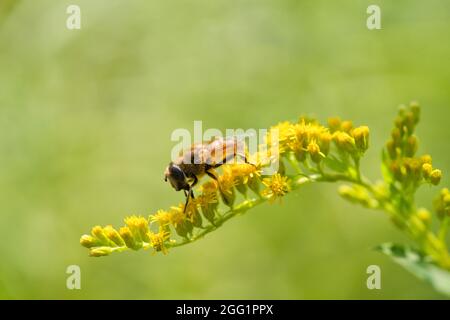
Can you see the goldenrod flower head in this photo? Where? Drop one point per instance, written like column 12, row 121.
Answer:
column 334, row 124
column 413, row 168
column 89, row 241
column 347, row 126
column 226, row 186
column 441, row 203
column 435, row 177
column 411, row 146
column 128, row 238
column 138, row 226
column 314, row 151
column 177, row 216
column 158, row 240
column 298, row 138
column 243, row 172
column 192, row 213
column 161, row 217
column 276, row 187
column 208, row 200
column 314, row 132
column 424, row 215
column 209, row 193
column 361, row 136
column 426, row 170
column 344, row 141
column 284, row 135
column 426, row 159
column 324, row 142
column 113, row 235
column 100, row 251
column 392, row 149
column 99, row 234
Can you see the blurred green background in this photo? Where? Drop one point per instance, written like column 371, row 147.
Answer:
column 86, row 118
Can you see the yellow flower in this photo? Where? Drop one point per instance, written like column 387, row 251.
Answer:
column 113, row 235
column 435, row 177
column 177, row 216
column 361, row 136
column 226, row 186
column 127, row 236
column 314, row 151
column 276, row 187
column 334, row 124
column 324, row 142
column 208, row 195
column 284, row 135
column 161, row 217
column 346, row 126
column 89, row 241
column 344, row 141
column 100, row 251
column 299, row 137
column 158, row 240
column 138, row 226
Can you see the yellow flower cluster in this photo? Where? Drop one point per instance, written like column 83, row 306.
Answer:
column 305, row 139
column 308, row 137
column 403, row 164
column 442, row 204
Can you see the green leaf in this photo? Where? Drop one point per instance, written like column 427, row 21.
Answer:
column 418, row 264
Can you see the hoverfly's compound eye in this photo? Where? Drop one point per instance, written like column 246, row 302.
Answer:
column 176, row 177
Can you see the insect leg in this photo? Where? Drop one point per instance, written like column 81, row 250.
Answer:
column 190, row 192
column 211, row 174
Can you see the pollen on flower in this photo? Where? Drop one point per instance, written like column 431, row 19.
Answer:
column 276, row 187
column 176, row 214
column 226, row 186
column 138, row 226
column 127, row 236
column 284, row 135
column 207, row 197
column 161, row 217
column 158, row 241
column 314, row 151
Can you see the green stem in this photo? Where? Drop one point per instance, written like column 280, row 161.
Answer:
column 237, row 210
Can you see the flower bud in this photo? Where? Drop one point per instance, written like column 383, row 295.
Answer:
column 314, row 151
column 344, row 141
column 411, row 146
column 414, row 168
column 98, row 233
column 346, row 126
column 114, row 236
column 426, row 159
column 128, row 238
column 410, row 122
column 441, row 203
column 324, row 142
column 100, row 251
column 334, row 124
column 435, row 177
column 89, row 241
column 424, row 215
column 426, row 170
column 361, row 136
column 392, row 149
column 396, row 136
column 415, row 110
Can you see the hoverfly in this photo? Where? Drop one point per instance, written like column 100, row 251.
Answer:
column 200, row 159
